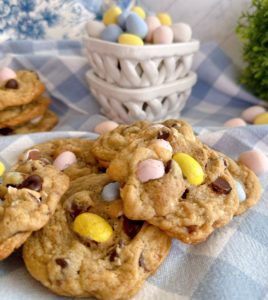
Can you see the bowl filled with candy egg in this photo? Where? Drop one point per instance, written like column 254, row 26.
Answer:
column 145, row 56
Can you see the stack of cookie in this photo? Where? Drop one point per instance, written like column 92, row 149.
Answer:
column 97, row 217
column 23, row 109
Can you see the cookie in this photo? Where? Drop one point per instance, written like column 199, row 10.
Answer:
column 33, row 189
column 85, row 162
column 250, row 184
column 109, row 144
column 74, row 264
column 18, row 115
column 25, row 88
column 175, row 183
column 44, row 123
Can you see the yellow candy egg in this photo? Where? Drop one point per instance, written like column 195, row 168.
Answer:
column 191, row 169
column 2, row 168
column 139, row 11
column 92, row 226
column 111, row 15
column 164, row 19
column 261, row 119
column 130, row 39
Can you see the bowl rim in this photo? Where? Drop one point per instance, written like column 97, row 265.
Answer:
column 140, row 52
column 140, row 94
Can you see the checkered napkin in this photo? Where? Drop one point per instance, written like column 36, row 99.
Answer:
column 233, row 262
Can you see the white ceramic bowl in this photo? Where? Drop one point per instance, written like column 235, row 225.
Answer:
column 140, row 66
column 153, row 104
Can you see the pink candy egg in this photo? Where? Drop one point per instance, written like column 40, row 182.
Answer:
column 152, row 23
column 32, row 154
column 6, row 74
column 105, row 126
column 236, row 122
column 163, row 144
column 163, row 35
column 254, row 160
column 64, row 160
column 252, row 112
column 150, row 169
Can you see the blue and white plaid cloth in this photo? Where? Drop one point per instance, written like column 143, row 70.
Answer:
column 233, row 262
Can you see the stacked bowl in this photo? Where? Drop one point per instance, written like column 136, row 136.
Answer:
column 150, row 82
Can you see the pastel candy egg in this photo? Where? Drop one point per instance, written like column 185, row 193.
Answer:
column 190, row 168
column 32, row 154
column 94, row 28
column 92, row 226
column 252, row 112
column 64, row 160
column 255, row 160
column 2, row 168
column 152, row 23
column 163, row 35
column 240, row 191
column 111, row 191
column 6, row 74
column 111, row 15
column 139, row 11
column 111, row 33
column 163, row 144
column 165, row 19
column 121, row 20
column 130, row 39
column 136, row 25
column 236, row 122
column 261, row 119
column 182, row 32
column 105, row 126
column 150, row 169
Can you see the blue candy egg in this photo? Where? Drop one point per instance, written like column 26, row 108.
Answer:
column 111, row 192
column 121, row 20
column 136, row 25
column 240, row 191
column 111, row 33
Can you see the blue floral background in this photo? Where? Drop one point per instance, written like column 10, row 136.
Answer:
column 40, row 19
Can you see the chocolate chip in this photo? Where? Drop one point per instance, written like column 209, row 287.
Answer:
column 131, row 228
column 102, row 170
column 6, row 131
column 142, row 263
column 33, row 182
column 12, row 84
column 75, row 210
column 61, row 262
column 113, row 255
column 168, row 166
column 11, row 185
column 121, row 244
column 225, row 163
column 163, row 135
column 221, row 186
column 184, row 195
column 192, row 228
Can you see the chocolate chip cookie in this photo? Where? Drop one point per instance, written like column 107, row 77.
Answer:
column 175, row 183
column 18, row 115
column 43, row 123
column 109, row 144
column 22, row 90
column 30, row 194
column 112, row 266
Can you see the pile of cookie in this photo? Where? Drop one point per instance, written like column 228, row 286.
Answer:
column 96, row 218
column 23, row 109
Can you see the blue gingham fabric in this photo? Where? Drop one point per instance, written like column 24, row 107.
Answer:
column 233, row 262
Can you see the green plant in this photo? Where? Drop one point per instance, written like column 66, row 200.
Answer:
column 252, row 29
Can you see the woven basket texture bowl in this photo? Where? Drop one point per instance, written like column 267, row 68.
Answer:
column 153, row 103
column 140, row 66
